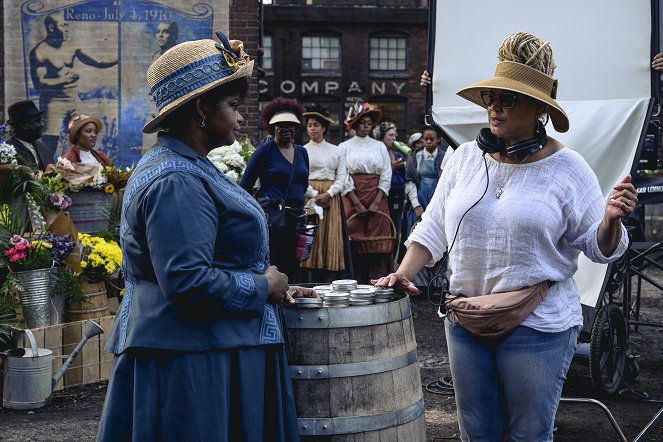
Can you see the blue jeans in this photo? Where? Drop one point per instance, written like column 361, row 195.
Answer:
column 512, row 385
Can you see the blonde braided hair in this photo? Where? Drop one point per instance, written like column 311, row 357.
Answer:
column 529, row 50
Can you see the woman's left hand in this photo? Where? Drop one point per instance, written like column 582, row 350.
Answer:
column 294, row 291
column 622, row 200
column 322, row 200
column 374, row 207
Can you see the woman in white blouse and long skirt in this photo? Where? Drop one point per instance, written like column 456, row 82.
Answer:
column 368, row 184
column 327, row 178
column 516, row 208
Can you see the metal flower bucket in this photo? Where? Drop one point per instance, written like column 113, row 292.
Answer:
column 35, row 295
column 90, row 210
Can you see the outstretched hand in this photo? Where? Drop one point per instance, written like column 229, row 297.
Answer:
column 425, row 79
column 395, row 281
column 657, row 62
column 622, row 200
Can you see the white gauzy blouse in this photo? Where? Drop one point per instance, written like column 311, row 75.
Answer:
column 327, row 162
column 367, row 155
column 547, row 213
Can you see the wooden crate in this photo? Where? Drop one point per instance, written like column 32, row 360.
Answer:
column 92, row 364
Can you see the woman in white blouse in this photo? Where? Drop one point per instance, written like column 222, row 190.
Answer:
column 367, row 187
column 327, row 177
column 83, row 132
column 515, row 208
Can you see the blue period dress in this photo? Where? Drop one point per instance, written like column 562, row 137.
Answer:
column 428, row 175
column 199, row 352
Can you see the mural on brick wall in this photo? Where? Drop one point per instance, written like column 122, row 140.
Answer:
column 90, row 57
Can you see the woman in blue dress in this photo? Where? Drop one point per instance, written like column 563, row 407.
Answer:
column 422, row 172
column 282, row 167
column 198, row 343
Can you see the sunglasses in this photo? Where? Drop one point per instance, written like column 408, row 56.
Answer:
column 507, row 99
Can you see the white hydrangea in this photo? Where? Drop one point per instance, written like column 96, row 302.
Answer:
column 234, row 160
column 234, row 176
column 230, row 160
column 7, row 153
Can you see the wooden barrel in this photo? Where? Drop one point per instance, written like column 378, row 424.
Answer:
column 355, row 373
column 96, row 308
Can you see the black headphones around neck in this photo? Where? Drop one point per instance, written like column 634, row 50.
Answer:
column 490, row 143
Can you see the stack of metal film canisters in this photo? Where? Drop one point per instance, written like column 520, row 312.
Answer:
column 321, row 290
column 362, row 296
column 344, row 285
column 336, row 299
column 308, row 302
column 383, row 295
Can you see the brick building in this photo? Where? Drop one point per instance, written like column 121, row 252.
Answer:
column 334, row 52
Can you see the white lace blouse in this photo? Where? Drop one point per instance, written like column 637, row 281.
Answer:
column 367, row 155
column 548, row 211
column 327, row 162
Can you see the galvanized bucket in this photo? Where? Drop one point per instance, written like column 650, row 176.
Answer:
column 90, row 210
column 57, row 299
column 27, row 381
column 35, row 296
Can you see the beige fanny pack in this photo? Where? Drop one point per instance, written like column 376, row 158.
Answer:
column 497, row 314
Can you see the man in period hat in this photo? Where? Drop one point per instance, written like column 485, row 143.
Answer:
column 27, row 124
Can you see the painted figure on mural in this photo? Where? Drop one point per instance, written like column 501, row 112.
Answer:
column 166, row 36
column 53, row 76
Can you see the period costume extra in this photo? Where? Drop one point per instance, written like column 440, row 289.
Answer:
column 194, row 330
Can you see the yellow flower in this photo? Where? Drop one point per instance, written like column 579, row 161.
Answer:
column 109, row 188
column 41, row 244
column 83, row 264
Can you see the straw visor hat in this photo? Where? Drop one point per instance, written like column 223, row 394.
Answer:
column 192, row 68
column 518, row 77
column 77, row 123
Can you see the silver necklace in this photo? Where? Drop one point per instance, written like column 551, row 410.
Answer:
column 499, row 189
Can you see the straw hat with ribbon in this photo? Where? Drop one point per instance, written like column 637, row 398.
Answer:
column 77, row 123
column 359, row 111
column 523, row 79
column 192, row 68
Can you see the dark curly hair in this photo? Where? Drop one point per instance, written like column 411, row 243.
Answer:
column 280, row 104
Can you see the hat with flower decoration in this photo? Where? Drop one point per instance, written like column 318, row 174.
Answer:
column 360, row 110
column 192, row 68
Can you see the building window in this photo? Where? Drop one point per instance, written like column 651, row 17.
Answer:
column 395, row 112
column 321, row 53
column 267, row 52
column 388, row 53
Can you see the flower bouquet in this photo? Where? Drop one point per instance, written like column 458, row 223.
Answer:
column 232, row 160
column 23, row 255
column 100, row 258
column 30, row 263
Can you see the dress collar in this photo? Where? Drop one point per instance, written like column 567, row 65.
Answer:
column 173, row 143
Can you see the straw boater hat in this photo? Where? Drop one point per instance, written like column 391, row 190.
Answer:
column 77, row 123
column 192, row 68
column 518, row 77
column 319, row 113
column 359, row 110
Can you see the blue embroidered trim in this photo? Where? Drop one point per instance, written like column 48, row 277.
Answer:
column 164, row 161
column 123, row 313
column 244, row 288
column 270, row 332
column 189, row 78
